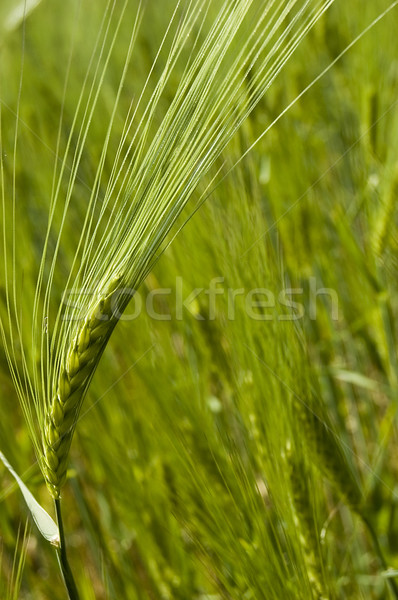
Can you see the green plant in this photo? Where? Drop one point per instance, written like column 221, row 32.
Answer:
column 142, row 169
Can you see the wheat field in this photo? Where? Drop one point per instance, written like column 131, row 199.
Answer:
column 198, row 300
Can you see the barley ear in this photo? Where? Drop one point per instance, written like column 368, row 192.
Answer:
column 304, row 520
column 325, row 447
column 78, row 368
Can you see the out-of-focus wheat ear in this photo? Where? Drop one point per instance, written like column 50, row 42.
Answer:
column 326, row 450
column 304, row 520
column 327, row 453
column 79, row 365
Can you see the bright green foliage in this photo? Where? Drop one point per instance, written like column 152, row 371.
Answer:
column 179, row 484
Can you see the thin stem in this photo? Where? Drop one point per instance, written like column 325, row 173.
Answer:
column 62, row 557
column 379, row 552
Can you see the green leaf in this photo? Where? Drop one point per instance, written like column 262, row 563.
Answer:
column 47, row 526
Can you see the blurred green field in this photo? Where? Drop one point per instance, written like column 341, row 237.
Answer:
column 279, row 292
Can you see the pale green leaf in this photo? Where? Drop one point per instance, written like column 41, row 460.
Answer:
column 44, row 522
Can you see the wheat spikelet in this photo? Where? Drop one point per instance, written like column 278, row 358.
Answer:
column 79, row 366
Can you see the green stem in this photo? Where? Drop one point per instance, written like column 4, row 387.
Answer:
column 62, row 557
column 379, row 552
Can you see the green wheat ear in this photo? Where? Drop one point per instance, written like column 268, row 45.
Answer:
column 79, row 366
column 325, row 448
column 328, row 455
column 304, row 520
